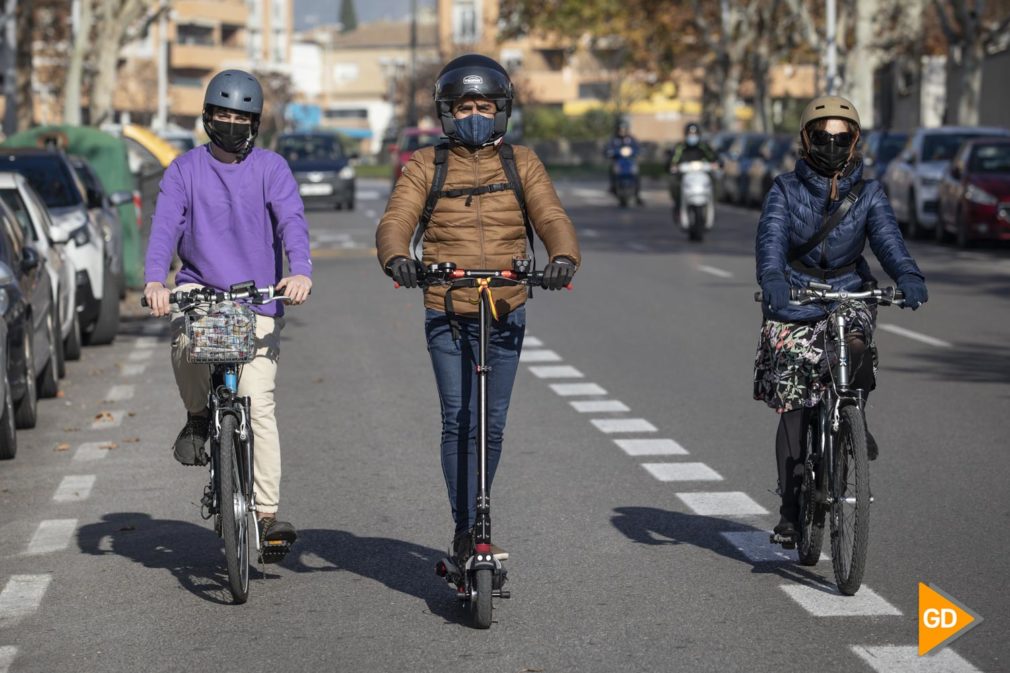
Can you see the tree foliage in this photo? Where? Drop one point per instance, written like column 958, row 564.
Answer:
column 348, row 16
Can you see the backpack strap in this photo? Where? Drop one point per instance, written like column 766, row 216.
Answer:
column 434, row 192
column 508, row 163
column 829, row 224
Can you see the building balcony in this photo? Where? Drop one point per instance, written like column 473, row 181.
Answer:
column 185, row 100
column 223, row 11
column 207, row 57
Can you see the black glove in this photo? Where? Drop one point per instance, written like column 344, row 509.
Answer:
column 775, row 290
column 914, row 289
column 558, row 274
column 403, row 270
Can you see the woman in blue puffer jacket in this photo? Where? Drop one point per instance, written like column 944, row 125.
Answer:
column 789, row 362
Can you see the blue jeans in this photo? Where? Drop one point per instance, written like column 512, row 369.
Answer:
column 455, row 363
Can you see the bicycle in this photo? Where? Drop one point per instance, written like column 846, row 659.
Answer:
column 225, row 342
column 836, row 474
column 483, row 576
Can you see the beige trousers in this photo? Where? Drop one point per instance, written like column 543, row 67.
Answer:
column 256, row 381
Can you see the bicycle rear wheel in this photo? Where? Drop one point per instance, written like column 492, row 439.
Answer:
column 811, row 506
column 234, row 511
column 850, row 509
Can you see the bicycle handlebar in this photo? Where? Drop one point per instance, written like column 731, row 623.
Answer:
column 205, row 295
column 801, row 296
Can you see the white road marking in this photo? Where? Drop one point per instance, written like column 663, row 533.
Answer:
column 584, row 192
column 594, row 406
column 906, row 659
column 556, row 372
column 539, row 356
column 367, row 195
column 140, row 355
column 74, row 488
column 120, row 393
column 757, row 548
column 8, row 653
column 145, row 342
column 532, row 342
column 638, row 247
column 21, row 597
column 52, row 535
column 915, row 336
column 651, row 447
column 132, row 370
column 722, row 503
column 589, row 233
column 825, row 601
column 109, row 419
column 682, row 472
column 91, row 451
column 715, row 272
column 612, row 425
column 573, row 389
column 371, row 213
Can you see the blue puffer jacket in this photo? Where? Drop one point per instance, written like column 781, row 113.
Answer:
column 794, row 211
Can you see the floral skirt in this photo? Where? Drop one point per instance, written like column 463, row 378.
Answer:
column 793, row 360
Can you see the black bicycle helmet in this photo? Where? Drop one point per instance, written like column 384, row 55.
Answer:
column 692, row 128
column 473, row 75
column 234, row 90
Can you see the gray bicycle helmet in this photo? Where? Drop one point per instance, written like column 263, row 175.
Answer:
column 233, row 90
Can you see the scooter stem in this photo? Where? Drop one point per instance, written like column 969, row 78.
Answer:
column 482, row 533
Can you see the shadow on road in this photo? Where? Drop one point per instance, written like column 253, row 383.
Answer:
column 656, row 527
column 192, row 553
column 402, row 566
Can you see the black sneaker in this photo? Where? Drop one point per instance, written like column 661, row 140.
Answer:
column 871, row 447
column 461, row 548
column 276, row 538
column 785, row 533
column 188, row 448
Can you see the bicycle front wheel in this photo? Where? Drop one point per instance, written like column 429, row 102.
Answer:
column 234, row 511
column 850, row 509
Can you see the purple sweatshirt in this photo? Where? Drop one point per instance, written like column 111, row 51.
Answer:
column 228, row 222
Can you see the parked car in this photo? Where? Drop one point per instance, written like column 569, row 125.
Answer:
column 8, row 432
column 879, row 148
column 52, row 176
column 32, row 329
column 321, row 167
column 181, row 140
column 740, row 155
column 765, row 167
column 102, row 207
column 913, row 177
column 33, row 217
column 975, row 193
column 410, row 140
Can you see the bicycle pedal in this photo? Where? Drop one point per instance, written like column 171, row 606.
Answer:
column 274, row 551
column 786, row 542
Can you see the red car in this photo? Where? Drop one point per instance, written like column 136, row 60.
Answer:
column 975, row 193
column 412, row 138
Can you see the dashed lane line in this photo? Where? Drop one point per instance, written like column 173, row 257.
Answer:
column 108, row 419
column 52, row 535
column 713, row 271
column 140, row 355
column 598, row 406
column 682, row 472
column 615, row 425
column 826, row 601
column 906, row 659
column 145, row 342
column 651, row 447
column 722, row 503
column 577, row 389
column 556, row 372
column 132, row 370
column 74, row 488
column 8, row 653
column 532, row 342
column 120, row 393
column 757, row 547
column 915, row 336
column 21, row 597
column 539, row 356
column 89, row 451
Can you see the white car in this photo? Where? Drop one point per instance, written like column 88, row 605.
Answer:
column 56, row 183
column 34, row 219
column 913, row 179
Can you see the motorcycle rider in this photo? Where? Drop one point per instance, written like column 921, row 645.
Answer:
column 227, row 207
column 478, row 221
column 692, row 148
column 623, row 138
column 790, row 361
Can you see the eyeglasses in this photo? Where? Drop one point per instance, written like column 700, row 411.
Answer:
column 844, row 139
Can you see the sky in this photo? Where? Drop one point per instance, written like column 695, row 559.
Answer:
column 314, row 12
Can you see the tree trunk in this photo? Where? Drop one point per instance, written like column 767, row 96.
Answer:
column 861, row 62
column 728, row 96
column 75, row 68
column 23, row 63
column 972, row 57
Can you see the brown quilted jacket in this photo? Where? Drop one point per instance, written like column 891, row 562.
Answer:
column 487, row 233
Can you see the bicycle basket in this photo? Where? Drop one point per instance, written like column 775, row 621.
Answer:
column 226, row 334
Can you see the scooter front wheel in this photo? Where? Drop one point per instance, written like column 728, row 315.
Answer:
column 480, row 604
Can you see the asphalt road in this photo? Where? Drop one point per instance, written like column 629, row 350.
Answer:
column 637, row 525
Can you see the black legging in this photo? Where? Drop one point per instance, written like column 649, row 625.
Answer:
column 790, row 440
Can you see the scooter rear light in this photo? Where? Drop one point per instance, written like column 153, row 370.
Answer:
column 483, row 548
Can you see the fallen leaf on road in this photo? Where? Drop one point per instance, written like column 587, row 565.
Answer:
column 319, row 380
column 108, row 445
column 103, row 416
column 61, row 394
column 71, row 429
column 132, row 414
column 131, row 440
column 62, row 446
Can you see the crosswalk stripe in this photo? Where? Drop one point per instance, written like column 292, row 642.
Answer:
column 120, row 393
column 682, row 472
column 556, row 372
column 613, row 425
column 573, row 389
column 758, row 549
column 52, row 535
column 74, row 488
column 91, row 451
column 145, row 342
column 906, row 659
column 651, row 447
column 722, row 503
column 532, row 342
column 825, row 601
column 140, row 355
column 132, row 370
column 598, row 406
column 21, row 597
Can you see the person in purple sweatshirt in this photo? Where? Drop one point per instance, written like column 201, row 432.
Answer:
column 228, row 208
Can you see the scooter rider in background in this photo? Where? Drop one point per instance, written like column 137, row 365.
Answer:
column 692, row 148
column 474, row 201
column 623, row 138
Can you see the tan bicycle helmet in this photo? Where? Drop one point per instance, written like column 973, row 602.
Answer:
column 824, row 107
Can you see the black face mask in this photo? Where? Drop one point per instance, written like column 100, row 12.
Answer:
column 828, row 160
column 230, row 136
